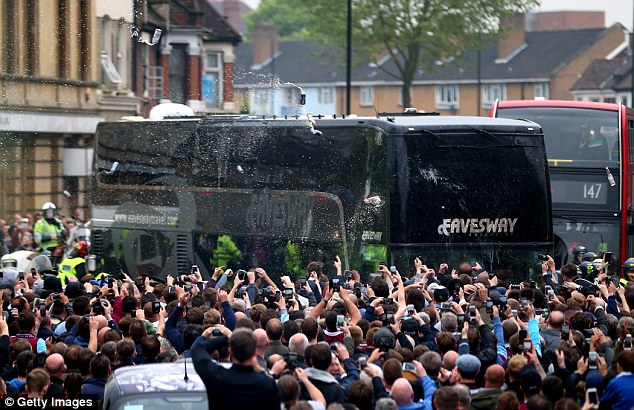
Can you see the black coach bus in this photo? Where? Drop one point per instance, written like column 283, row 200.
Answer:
column 244, row 192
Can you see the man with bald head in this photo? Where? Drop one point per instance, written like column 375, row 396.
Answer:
column 552, row 333
column 55, row 367
column 449, row 360
column 298, row 345
column 487, row 397
column 260, row 347
column 403, row 394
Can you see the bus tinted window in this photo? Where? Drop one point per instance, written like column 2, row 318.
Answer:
column 434, row 199
column 574, row 137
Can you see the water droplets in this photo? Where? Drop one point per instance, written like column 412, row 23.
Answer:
column 374, row 200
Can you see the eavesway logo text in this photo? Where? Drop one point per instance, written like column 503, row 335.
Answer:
column 476, row 226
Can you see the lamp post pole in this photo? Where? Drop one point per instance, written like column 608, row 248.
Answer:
column 349, row 57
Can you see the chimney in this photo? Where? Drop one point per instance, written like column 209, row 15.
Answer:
column 232, row 12
column 514, row 38
column 265, row 42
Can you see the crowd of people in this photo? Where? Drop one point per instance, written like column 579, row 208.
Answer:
column 46, row 230
column 429, row 339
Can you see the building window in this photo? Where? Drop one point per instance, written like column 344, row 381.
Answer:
column 447, row 97
column 9, row 47
column 31, row 11
column 212, row 79
column 326, row 95
column 63, row 38
column 178, row 73
column 541, row 91
column 366, row 98
column 492, row 92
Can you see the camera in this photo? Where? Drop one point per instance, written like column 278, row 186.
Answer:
column 502, row 303
column 528, row 345
column 216, row 332
column 291, row 361
column 592, row 360
column 593, row 396
column 357, row 290
column 472, row 312
column 97, row 308
column 410, row 310
column 489, row 306
column 387, row 318
column 188, row 288
column 461, row 319
column 288, row 293
column 347, row 274
column 363, row 362
column 515, row 287
column 388, row 301
column 524, row 302
column 533, row 284
column 382, row 263
column 42, row 309
column 242, row 274
column 194, row 269
column 565, row 332
column 409, row 367
column 542, row 257
column 156, row 307
column 456, row 289
column 335, row 284
column 56, row 297
column 627, row 343
column 446, row 306
column 522, row 335
column 302, row 282
column 340, row 320
column 393, row 269
column 240, row 291
column 514, row 313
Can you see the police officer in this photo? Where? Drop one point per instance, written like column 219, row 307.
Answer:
column 75, row 264
column 577, row 254
column 48, row 231
column 628, row 270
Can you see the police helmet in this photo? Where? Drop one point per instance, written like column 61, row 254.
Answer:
column 49, row 210
column 597, row 263
column 42, row 263
column 590, row 256
column 579, row 249
column 81, row 247
column 587, row 269
column 8, row 261
column 628, row 265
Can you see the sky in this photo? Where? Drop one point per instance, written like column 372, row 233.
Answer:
column 615, row 10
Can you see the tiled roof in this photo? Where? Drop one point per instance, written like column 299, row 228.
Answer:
column 305, row 62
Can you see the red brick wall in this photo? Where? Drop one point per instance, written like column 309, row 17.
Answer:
column 227, row 83
column 194, row 70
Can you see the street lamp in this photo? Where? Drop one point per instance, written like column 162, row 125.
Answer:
column 349, row 57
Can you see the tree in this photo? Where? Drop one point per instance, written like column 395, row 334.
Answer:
column 288, row 15
column 415, row 33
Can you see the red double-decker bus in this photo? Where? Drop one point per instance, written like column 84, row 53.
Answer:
column 590, row 152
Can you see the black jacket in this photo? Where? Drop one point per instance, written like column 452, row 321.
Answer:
column 239, row 387
column 331, row 389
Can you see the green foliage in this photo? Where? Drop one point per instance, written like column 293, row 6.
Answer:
column 288, row 15
column 416, row 33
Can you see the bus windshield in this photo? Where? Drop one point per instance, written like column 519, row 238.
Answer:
column 574, row 137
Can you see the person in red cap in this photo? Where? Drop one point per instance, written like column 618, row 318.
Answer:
column 75, row 264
